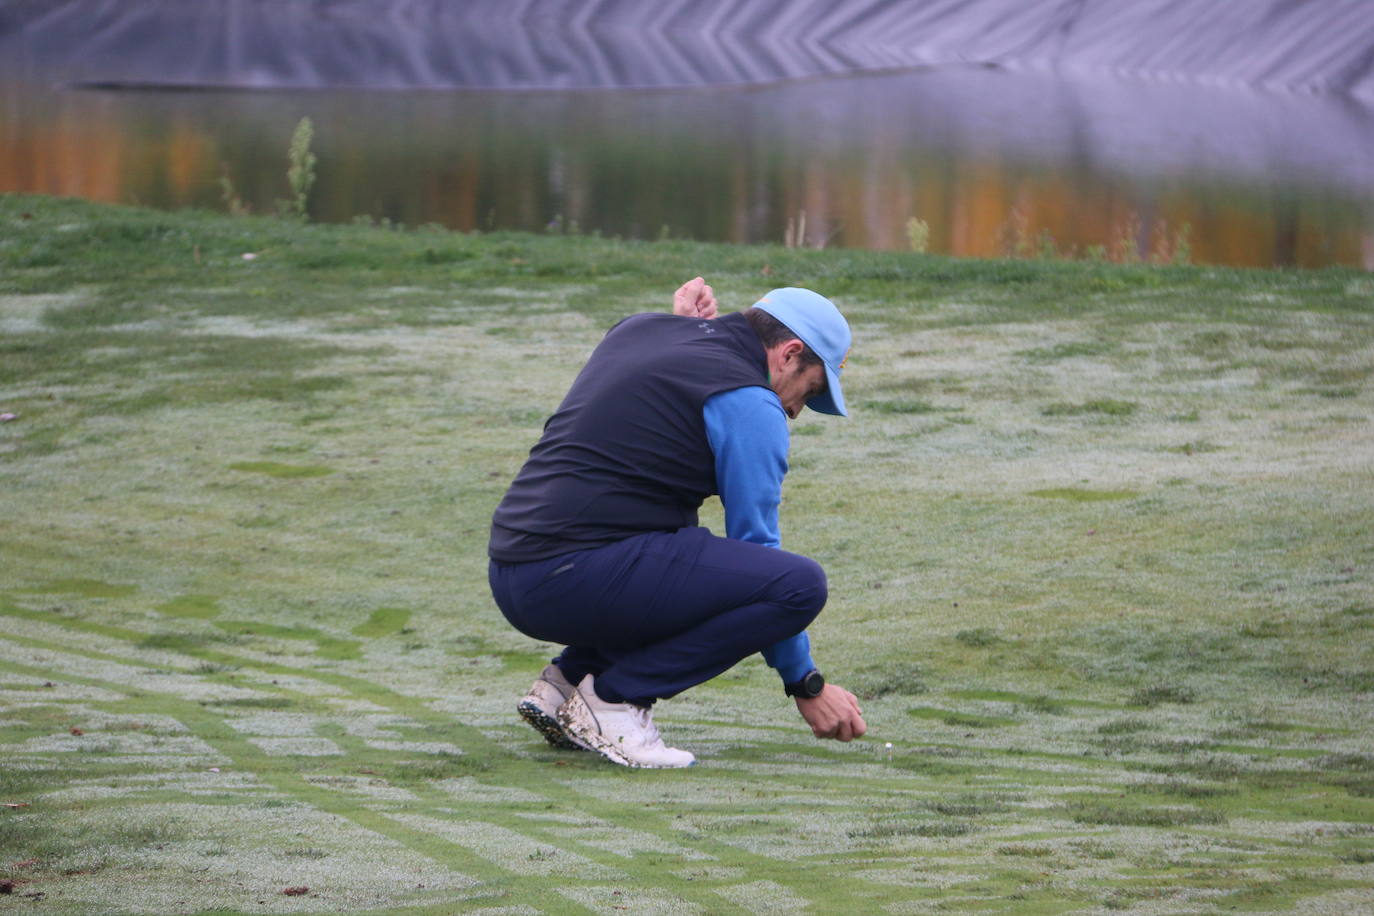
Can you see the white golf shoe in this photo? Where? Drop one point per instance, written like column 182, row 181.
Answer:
column 540, row 707
column 621, row 732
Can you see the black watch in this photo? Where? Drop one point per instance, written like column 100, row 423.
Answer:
column 808, row 687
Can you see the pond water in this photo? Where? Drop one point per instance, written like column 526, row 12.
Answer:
column 991, row 160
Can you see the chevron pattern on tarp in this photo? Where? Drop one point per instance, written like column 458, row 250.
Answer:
column 1325, row 47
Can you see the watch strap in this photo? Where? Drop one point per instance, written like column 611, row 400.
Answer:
column 808, row 687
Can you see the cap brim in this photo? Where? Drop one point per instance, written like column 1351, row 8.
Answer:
column 832, row 400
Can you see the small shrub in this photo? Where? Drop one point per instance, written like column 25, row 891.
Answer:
column 1045, row 247
column 229, row 194
column 917, row 235
column 1171, row 247
column 1183, row 247
column 300, row 174
column 1125, row 245
column 1015, row 234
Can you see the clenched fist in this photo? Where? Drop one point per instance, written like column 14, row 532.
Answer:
column 694, row 299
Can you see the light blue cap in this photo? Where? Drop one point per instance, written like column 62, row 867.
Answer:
column 819, row 325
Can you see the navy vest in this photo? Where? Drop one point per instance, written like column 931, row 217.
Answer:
column 626, row 452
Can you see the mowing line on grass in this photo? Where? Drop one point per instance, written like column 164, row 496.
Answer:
column 253, row 760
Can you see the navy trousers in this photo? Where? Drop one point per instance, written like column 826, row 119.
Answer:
column 658, row 613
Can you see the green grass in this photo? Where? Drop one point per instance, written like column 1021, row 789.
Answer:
column 277, row 469
column 1106, row 407
column 1099, row 542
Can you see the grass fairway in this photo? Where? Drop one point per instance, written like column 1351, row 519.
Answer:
column 1100, row 542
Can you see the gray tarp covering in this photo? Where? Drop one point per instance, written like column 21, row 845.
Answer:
column 1324, row 46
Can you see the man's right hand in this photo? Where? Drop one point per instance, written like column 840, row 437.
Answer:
column 833, row 714
column 694, row 299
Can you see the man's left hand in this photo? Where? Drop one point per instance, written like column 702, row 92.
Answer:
column 833, row 714
column 694, row 299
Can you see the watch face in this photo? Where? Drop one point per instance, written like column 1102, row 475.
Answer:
column 808, row 687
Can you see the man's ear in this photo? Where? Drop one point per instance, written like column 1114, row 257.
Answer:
column 792, row 350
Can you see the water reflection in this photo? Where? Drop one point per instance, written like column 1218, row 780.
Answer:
column 985, row 158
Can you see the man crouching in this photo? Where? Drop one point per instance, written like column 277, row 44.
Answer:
column 596, row 544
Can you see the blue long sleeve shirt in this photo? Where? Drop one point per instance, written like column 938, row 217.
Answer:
column 747, row 429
